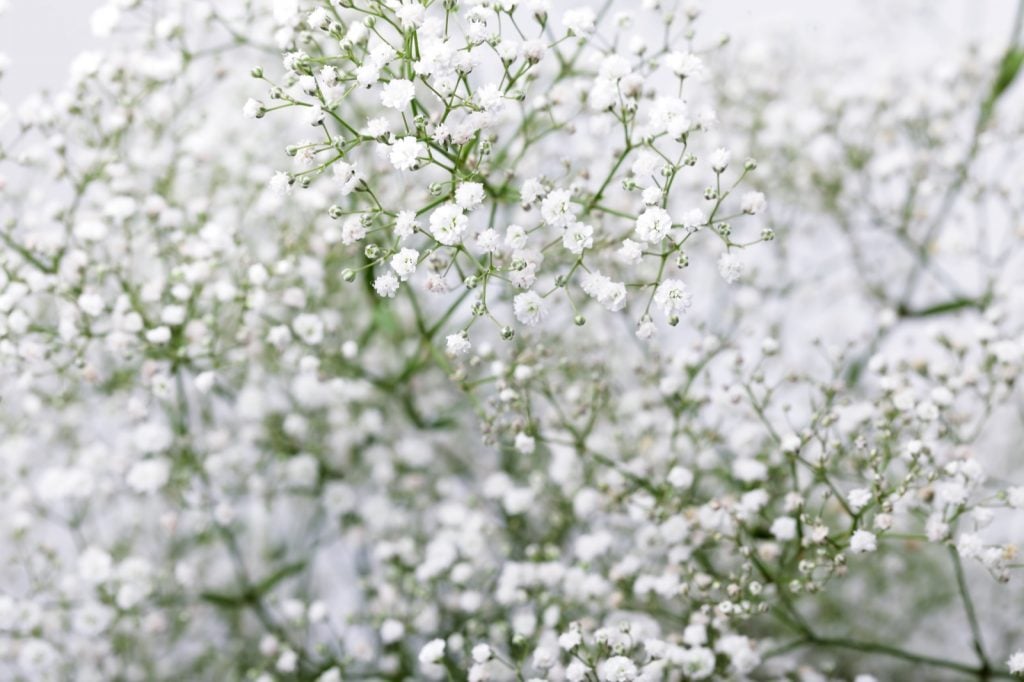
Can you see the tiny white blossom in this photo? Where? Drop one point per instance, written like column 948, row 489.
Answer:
column 720, row 159
column 784, row 528
column 447, row 224
column 432, row 652
column 753, row 203
column 281, row 183
column 397, row 94
column 469, row 195
column 673, row 297
column 579, row 21
column 411, row 14
column 404, row 263
column 618, row 669
column 149, row 476
column 863, row 541
column 405, row 153
column 577, row 237
column 1016, row 663
column 457, row 344
column 530, row 308
column 309, row 328
column 386, row 285
column 730, row 267
column 253, row 108
column 653, row 224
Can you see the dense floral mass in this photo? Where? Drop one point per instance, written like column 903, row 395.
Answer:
column 509, row 340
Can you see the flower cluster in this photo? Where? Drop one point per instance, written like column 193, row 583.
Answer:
column 444, row 136
column 443, row 344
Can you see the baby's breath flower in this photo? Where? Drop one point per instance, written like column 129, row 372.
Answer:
column 863, row 541
column 406, row 152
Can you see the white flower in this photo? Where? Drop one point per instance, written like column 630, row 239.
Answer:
column 391, row 631
column 287, row 661
column 730, row 267
column 95, row 565
column 432, row 652
column 159, row 335
column 38, row 658
column 253, row 108
column 618, row 669
column 749, row 470
column 411, row 14
column 405, row 152
column 405, row 224
column 1016, row 663
column 630, row 251
column 670, row 115
column 969, row 545
column 173, row 315
column 685, row 64
column 784, row 528
column 397, row 94
column 377, row 127
column 858, row 499
column 557, row 209
column 525, row 444
column 91, row 230
column 570, row 640
column 489, row 241
column 91, row 303
column 105, row 19
column 697, row 663
column 576, row 671
column 149, row 475
column 309, row 328
column 680, row 477
column 1015, row 497
column 577, row 237
column 579, row 21
column 720, row 159
column 653, row 224
column 347, row 176
column 531, row 190
column 281, row 183
column 457, row 344
column 515, row 237
column 753, row 203
column 936, row 529
column 404, row 263
column 544, row 657
column 610, row 294
column 673, row 297
column 447, row 223
column 386, row 285
column 529, row 308
column 652, row 195
column 469, row 195
column 694, row 219
column 790, row 443
column 863, row 541
column 481, row 653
